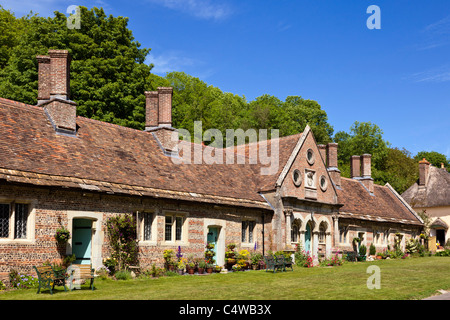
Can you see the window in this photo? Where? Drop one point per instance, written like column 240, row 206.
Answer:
column 294, row 232
column 174, row 227
column 323, row 183
column 14, row 221
column 310, row 157
column 342, row 234
column 248, row 228
column 322, row 231
column 147, row 221
column 168, row 229
column 4, row 220
column 297, row 178
column 21, row 217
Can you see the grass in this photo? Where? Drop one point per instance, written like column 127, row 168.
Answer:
column 412, row 278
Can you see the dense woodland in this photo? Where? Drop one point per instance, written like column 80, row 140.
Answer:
column 109, row 77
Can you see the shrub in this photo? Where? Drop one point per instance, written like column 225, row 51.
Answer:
column 122, row 239
column 362, row 250
column 123, row 275
column 372, row 249
column 22, row 281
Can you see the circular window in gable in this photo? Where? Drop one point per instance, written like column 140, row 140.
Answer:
column 323, row 183
column 297, row 177
column 310, row 157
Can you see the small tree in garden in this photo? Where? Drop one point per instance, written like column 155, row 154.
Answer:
column 122, row 239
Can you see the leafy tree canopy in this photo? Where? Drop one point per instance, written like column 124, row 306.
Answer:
column 433, row 157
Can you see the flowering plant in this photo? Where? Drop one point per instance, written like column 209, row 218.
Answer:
column 62, row 235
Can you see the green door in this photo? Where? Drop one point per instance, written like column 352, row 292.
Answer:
column 81, row 240
column 213, row 233
column 308, row 239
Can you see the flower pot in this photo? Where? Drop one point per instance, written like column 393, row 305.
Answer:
column 379, row 257
column 209, row 270
column 201, row 270
column 191, row 270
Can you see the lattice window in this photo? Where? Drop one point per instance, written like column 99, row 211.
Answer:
column 178, row 228
column 148, row 218
column 21, row 217
column 4, row 220
column 168, row 229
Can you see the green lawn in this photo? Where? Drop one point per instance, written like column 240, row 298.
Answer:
column 412, row 278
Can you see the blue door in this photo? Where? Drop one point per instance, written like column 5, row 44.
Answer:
column 308, row 238
column 213, row 233
column 81, row 240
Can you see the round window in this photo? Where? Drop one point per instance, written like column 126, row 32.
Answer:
column 297, row 177
column 323, row 183
column 310, row 156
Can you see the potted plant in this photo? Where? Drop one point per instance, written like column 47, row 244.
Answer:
column 181, row 265
column 379, row 255
column 209, row 268
column 372, row 250
column 218, row 269
column 201, row 266
column 169, row 263
column 255, row 259
column 190, row 267
column 230, row 256
column 62, row 235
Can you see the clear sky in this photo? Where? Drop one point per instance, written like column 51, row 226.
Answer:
column 397, row 77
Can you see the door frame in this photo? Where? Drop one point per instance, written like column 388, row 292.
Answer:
column 220, row 245
column 97, row 234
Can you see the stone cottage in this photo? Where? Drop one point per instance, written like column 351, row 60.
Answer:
column 59, row 169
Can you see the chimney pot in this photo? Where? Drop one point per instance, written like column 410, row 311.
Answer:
column 332, row 163
column 366, row 163
column 424, row 166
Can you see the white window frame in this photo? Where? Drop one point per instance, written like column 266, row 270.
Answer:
column 184, row 229
column 30, row 227
column 343, row 234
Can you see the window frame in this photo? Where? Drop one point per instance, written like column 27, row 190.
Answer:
column 248, row 234
column 175, row 228
column 29, row 228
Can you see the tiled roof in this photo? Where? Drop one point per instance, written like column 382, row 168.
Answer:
column 383, row 205
column 109, row 154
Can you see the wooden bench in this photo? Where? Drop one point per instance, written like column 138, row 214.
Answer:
column 272, row 263
column 49, row 277
column 81, row 272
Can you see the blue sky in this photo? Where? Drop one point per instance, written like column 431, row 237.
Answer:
column 397, row 77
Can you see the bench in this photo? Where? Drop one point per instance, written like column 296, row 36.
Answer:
column 49, row 277
column 272, row 263
column 81, row 272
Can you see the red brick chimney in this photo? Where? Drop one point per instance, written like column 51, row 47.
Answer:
column 366, row 168
column 44, row 80
column 332, row 163
column 424, row 167
column 151, row 109
column 54, row 92
column 158, row 118
column 355, row 167
column 165, row 106
column 60, row 74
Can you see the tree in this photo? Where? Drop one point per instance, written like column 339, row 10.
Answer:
column 122, row 240
column 435, row 158
column 108, row 73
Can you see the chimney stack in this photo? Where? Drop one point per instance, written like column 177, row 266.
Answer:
column 44, row 79
column 54, row 92
column 366, row 168
column 355, row 166
column 323, row 152
column 424, row 167
column 332, row 163
column 158, row 119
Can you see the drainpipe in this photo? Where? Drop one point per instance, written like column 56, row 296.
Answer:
column 262, row 217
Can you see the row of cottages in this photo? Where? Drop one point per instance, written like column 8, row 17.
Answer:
column 431, row 194
column 59, row 169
